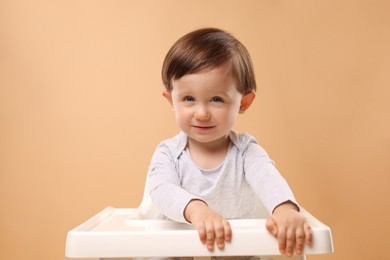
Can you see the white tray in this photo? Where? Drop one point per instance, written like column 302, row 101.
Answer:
column 111, row 234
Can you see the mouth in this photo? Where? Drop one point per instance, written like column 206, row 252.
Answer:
column 200, row 127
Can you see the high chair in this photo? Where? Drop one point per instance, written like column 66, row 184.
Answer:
column 129, row 233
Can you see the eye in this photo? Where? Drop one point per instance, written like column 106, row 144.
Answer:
column 188, row 99
column 217, row 99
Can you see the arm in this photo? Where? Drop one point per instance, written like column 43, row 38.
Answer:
column 164, row 185
column 286, row 222
column 180, row 205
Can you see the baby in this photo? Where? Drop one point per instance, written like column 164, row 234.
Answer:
column 208, row 173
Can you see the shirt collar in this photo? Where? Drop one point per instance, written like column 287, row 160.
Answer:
column 182, row 139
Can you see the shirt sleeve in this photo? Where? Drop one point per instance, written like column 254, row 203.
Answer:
column 264, row 178
column 164, row 185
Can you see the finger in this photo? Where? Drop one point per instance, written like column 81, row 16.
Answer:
column 201, row 232
column 219, row 234
column 290, row 242
column 281, row 236
column 271, row 227
column 308, row 233
column 299, row 240
column 228, row 230
column 210, row 236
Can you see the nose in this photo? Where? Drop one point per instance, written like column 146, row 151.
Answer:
column 202, row 114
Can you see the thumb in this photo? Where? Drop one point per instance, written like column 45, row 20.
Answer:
column 271, row 226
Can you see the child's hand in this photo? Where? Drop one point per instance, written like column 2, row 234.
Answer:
column 290, row 228
column 210, row 225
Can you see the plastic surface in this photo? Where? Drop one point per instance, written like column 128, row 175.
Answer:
column 113, row 233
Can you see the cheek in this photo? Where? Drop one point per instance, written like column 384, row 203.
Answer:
column 182, row 115
column 231, row 111
column 232, row 117
column 226, row 117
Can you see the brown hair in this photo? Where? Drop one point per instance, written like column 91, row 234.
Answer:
column 206, row 49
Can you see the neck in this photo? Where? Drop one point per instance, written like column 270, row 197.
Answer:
column 211, row 147
column 209, row 155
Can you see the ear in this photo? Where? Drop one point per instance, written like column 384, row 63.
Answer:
column 168, row 96
column 246, row 101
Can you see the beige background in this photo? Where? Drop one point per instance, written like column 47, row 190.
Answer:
column 81, row 110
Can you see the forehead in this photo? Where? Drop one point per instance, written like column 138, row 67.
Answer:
column 214, row 80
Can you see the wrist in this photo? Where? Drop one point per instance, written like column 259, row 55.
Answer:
column 287, row 205
column 193, row 206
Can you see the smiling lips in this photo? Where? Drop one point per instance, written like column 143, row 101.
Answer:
column 200, row 127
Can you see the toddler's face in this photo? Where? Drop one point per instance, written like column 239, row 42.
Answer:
column 206, row 104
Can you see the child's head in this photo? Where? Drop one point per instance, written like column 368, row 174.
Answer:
column 206, row 49
column 209, row 79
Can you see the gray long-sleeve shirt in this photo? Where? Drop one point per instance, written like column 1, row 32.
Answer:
column 230, row 189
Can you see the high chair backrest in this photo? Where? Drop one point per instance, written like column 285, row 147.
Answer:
column 146, row 209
